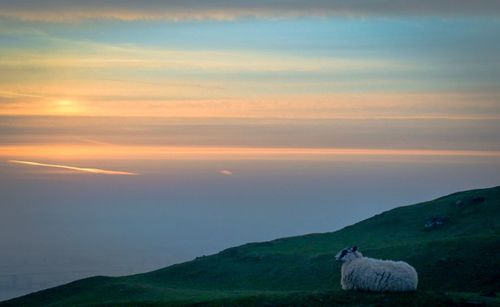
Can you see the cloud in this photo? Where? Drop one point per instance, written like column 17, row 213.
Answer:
column 226, row 172
column 70, row 11
column 74, row 168
column 139, row 152
column 101, row 56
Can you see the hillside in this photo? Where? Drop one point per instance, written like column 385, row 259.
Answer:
column 452, row 241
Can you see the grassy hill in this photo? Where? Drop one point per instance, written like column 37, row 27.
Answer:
column 458, row 263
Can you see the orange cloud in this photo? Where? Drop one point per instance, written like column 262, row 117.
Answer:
column 151, row 100
column 74, row 168
column 82, row 152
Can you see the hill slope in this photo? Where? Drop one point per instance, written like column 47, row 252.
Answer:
column 460, row 255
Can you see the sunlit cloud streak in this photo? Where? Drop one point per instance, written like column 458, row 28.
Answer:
column 393, row 105
column 6, row 94
column 102, row 56
column 79, row 152
column 74, row 168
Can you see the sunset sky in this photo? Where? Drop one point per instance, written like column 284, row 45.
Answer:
column 79, row 77
column 179, row 109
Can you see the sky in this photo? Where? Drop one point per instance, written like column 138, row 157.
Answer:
column 134, row 135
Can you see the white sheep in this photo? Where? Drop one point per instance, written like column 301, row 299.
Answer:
column 363, row 273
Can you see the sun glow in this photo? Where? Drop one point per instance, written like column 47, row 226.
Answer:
column 67, row 106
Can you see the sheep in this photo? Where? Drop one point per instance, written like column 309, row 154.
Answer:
column 363, row 273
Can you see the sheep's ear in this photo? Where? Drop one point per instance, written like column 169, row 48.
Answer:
column 354, row 248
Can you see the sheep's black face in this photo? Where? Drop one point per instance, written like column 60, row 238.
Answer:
column 342, row 255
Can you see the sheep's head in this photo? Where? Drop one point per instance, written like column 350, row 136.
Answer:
column 348, row 254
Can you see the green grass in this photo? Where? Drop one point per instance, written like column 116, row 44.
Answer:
column 456, row 263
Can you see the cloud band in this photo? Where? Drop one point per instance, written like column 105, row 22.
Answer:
column 68, row 11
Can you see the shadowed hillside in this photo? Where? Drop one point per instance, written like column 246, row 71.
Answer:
column 453, row 242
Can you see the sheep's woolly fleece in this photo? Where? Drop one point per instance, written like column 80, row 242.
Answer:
column 363, row 273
